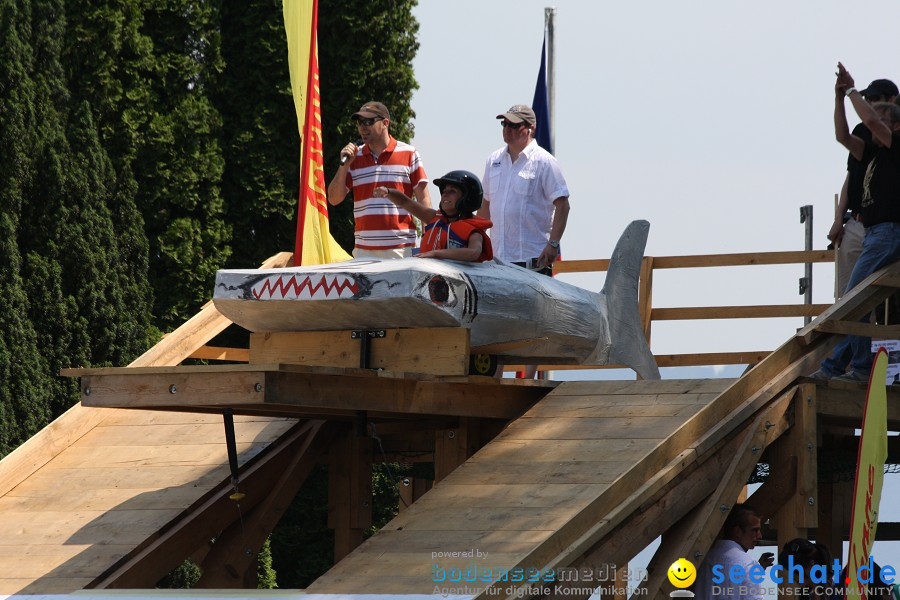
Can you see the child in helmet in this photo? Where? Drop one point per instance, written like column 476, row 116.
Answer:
column 453, row 231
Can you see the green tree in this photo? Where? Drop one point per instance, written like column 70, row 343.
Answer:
column 179, row 165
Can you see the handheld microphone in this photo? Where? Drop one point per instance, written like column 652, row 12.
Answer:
column 346, row 157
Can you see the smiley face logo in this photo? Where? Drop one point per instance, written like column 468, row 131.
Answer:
column 682, row 573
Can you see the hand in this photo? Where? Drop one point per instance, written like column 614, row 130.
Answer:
column 429, row 254
column 547, row 257
column 836, row 233
column 767, row 559
column 844, row 78
column 349, row 151
column 380, row 192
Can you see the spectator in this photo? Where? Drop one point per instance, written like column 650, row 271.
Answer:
column 382, row 229
column 879, row 211
column 526, row 195
column 847, row 230
column 741, row 532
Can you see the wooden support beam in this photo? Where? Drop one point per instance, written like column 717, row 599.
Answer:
column 695, row 533
column 795, row 517
column 863, row 329
column 220, row 353
column 203, row 521
column 434, row 350
column 777, row 489
column 453, row 446
column 768, row 311
column 349, row 489
column 707, row 260
column 859, row 301
column 232, row 560
column 307, row 392
column 645, row 295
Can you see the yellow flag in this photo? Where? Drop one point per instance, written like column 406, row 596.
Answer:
column 314, row 244
column 869, row 478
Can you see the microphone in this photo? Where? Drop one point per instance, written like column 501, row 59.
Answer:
column 346, row 157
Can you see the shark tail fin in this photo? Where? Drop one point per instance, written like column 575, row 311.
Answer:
column 629, row 346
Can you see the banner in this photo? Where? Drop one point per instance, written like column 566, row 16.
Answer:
column 869, row 478
column 314, row 244
column 541, row 103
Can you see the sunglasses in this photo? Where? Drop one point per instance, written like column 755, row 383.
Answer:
column 368, row 122
column 511, row 125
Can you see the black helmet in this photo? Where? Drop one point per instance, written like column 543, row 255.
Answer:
column 472, row 192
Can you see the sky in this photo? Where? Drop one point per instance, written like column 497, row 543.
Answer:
column 712, row 120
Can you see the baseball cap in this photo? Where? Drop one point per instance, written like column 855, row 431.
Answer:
column 881, row 87
column 371, row 110
column 519, row 113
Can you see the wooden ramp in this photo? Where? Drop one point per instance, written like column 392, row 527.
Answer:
column 577, row 454
column 594, row 472
column 100, row 485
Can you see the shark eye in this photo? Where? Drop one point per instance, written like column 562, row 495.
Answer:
column 438, row 290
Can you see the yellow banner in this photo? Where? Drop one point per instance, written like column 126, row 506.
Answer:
column 869, row 479
column 314, row 244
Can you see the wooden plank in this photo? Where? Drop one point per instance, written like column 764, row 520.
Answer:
column 566, row 450
column 862, row 329
column 592, row 428
column 452, row 448
column 496, row 495
column 853, row 305
column 209, row 515
column 524, row 518
column 575, row 406
column 634, row 388
column 437, row 350
column 42, row 585
column 645, row 295
column 512, row 472
column 290, row 390
column 767, row 311
column 232, row 560
column 219, row 353
column 697, row 532
column 707, row 260
column 670, row 360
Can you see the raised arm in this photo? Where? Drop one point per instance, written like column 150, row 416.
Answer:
column 406, row 203
column 337, row 189
column 870, row 118
column 842, row 134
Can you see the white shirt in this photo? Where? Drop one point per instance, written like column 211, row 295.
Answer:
column 726, row 553
column 521, row 196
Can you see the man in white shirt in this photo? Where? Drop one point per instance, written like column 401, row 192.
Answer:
column 525, row 195
column 727, row 568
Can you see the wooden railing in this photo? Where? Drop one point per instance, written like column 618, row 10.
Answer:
column 649, row 313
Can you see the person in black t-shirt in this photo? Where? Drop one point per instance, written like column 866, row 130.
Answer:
column 879, row 210
column 847, row 230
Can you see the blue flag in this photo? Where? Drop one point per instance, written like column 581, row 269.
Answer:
column 541, row 104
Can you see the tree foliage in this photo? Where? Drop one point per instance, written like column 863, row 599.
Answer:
column 145, row 144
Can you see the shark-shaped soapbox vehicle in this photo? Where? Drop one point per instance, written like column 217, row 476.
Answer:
column 524, row 316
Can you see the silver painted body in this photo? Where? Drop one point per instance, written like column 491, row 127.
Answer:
column 498, row 302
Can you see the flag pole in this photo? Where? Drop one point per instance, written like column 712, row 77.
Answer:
column 549, row 26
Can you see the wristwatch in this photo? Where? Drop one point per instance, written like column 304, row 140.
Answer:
column 849, row 91
column 554, row 244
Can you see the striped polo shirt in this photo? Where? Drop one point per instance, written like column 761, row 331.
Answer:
column 380, row 224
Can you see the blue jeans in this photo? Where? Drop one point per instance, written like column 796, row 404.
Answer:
column 881, row 247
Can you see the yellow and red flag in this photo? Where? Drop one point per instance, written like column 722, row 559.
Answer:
column 869, row 478
column 314, row 244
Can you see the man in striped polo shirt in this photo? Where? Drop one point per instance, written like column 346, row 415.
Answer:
column 382, row 229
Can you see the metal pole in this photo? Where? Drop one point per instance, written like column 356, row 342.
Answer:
column 806, row 217
column 549, row 25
